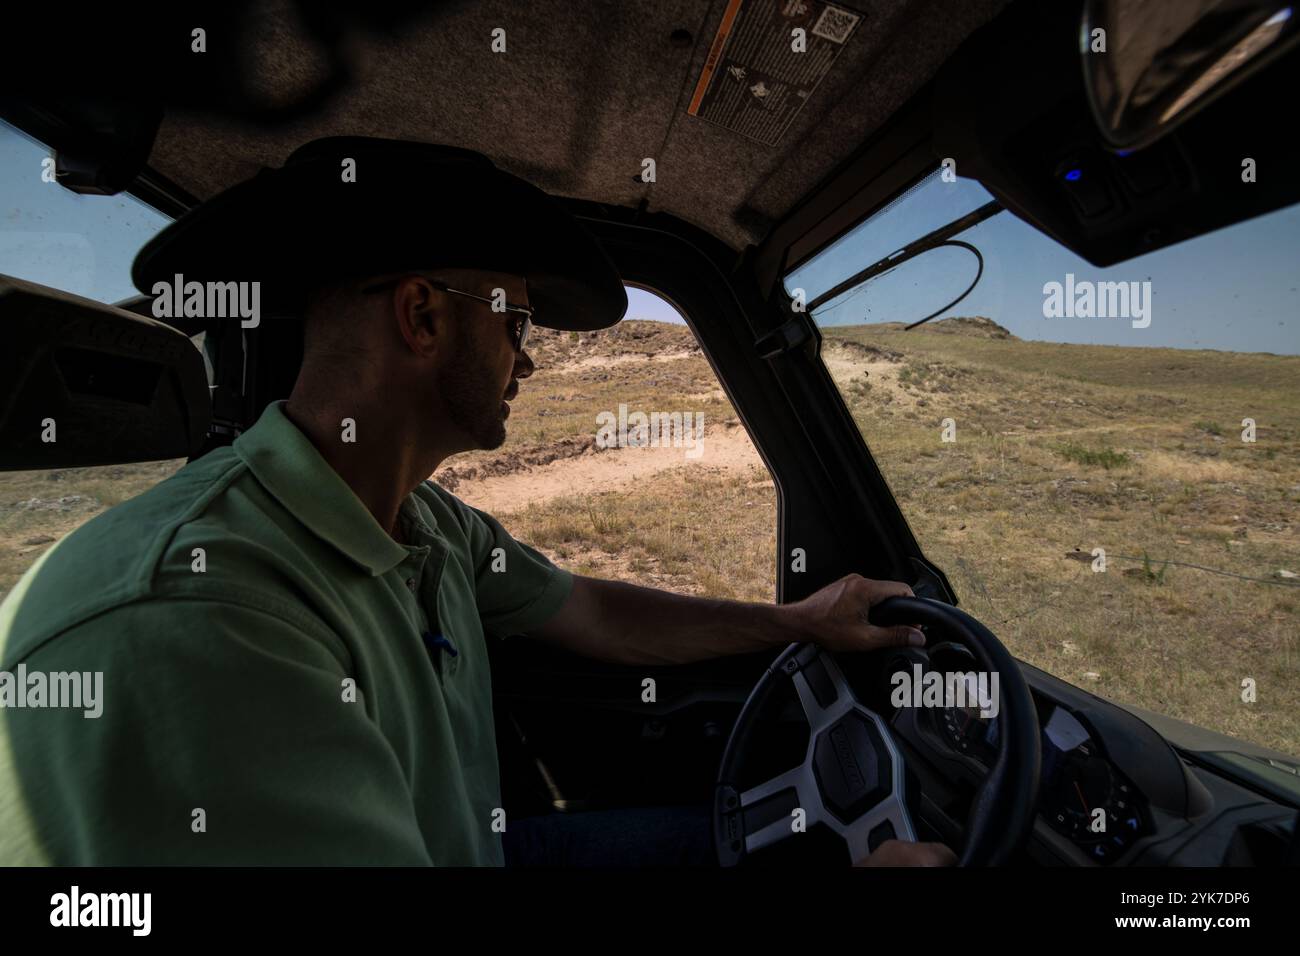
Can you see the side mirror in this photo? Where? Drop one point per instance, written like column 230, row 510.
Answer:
column 84, row 383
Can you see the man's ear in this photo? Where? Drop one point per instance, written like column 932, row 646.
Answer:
column 421, row 314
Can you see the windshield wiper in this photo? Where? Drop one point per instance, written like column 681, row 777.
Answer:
column 931, row 240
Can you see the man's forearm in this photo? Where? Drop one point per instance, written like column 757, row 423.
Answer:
column 628, row 624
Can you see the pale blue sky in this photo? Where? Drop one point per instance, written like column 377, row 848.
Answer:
column 50, row 235
column 647, row 305
column 1232, row 290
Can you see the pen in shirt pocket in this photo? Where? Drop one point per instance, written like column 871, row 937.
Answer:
column 441, row 643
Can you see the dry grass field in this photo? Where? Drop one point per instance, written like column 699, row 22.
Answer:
column 1059, row 449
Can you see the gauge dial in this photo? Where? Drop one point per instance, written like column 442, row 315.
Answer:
column 1083, row 796
column 969, row 733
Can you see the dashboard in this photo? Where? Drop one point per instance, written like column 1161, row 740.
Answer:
column 1112, row 791
column 1083, row 795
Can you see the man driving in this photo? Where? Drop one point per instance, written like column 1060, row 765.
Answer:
column 292, row 629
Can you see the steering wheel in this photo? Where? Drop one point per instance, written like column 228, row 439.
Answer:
column 852, row 777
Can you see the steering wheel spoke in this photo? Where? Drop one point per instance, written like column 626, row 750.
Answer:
column 765, row 836
column 796, row 780
column 824, row 692
column 887, row 820
column 769, row 807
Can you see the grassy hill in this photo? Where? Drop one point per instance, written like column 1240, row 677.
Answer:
column 1065, row 448
column 1060, row 449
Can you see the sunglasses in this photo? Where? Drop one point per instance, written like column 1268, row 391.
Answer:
column 521, row 315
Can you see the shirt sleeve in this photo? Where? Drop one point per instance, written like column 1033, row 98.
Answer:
column 517, row 587
column 227, row 740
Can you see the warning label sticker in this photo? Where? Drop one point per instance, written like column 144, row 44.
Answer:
column 765, row 62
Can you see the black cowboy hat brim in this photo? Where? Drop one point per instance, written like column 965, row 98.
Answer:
column 411, row 206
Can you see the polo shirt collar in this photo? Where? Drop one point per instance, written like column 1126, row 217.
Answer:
column 288, row 465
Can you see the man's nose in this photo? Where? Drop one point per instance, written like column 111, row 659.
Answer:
column 524, row 366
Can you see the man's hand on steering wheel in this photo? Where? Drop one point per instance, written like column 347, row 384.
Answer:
column 836, row 616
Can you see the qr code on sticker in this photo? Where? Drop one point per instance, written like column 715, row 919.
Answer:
column 835, row 24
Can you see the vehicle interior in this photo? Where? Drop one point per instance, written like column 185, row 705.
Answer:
column 728, row 208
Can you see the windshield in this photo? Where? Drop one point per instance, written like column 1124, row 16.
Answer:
column 1103, row 461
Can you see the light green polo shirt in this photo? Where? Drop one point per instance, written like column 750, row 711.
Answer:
column 283, row 704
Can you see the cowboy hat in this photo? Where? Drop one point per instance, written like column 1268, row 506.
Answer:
column 348, row 206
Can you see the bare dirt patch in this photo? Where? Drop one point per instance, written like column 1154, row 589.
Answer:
column 611, row 361
column 577, row 466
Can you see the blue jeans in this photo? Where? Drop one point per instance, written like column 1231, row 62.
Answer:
column 647, row 836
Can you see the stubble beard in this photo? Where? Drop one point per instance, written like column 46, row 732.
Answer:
column 473, row 402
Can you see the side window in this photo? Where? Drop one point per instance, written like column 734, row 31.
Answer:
column 83, row 245
column 624, row 459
